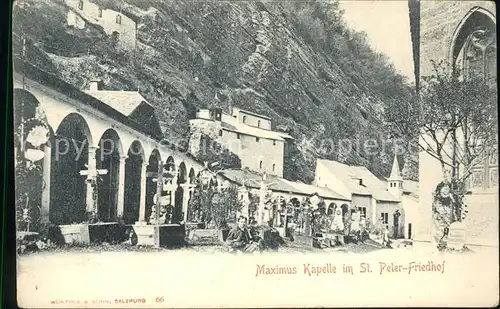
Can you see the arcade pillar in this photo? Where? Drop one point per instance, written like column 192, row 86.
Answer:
column 142, row 203
column 121, row 186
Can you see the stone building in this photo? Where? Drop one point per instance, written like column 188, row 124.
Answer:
column 246, row 134
column 116, row 24
column 463, row 34
column 381, row 202
column 103, row 152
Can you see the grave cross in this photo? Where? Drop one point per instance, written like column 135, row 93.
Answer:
column 92, row 175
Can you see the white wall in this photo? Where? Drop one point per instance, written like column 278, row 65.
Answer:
column 323, row 178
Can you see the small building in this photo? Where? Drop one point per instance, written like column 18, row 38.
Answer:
column 379, row 201
column 116, row 24
column 248, row 135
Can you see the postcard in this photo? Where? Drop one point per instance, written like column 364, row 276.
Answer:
column 255, row 154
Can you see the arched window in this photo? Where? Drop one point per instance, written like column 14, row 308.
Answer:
column 80, row 5
column 258, row 123
column 244, row 119
column 118, row 19
column 474, row 50
column 274, row 167
column 220, row 132
column 473, row 55
column 99, row 12
column 260, row 165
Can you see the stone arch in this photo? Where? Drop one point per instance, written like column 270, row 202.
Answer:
column 345, row 210
column 108, row 156
column 151, row 185
column 191, row 176
column 69, row 156
column 331, row 208
column 182, row 173
column 25, row 105
column 178, row 215
column 170, row 164
column 79, row 121
column 133, row 177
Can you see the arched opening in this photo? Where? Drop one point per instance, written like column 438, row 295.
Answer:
column 345, row 211
column 178, row 215
column 151, row 184
column 192, row 177
column 108, row 158
column 133, row 171
column 31, row 144
column 331, row 209
column 474, row 46
column 69, row 156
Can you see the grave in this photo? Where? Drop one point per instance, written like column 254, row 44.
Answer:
column 110, row 232
column 168, row 235
column 75, row 233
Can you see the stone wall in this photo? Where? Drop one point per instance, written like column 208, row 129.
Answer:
column 438, row 22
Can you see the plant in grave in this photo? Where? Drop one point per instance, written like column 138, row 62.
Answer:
column 252, row 206
column 225, row 205
column 213, row 207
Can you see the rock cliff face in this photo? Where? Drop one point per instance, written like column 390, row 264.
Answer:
column 252, row 54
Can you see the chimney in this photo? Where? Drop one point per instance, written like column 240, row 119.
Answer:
column 95, row 85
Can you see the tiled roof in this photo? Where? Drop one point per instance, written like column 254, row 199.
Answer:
column 123, row 101
column 237, row 110
column 253, row 131
column 253, row 180
column 350, row 175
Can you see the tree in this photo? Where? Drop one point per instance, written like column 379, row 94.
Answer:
column 455, row 122
column 458, row 120
column 214, row 207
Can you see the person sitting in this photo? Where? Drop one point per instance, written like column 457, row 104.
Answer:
column 240, row 238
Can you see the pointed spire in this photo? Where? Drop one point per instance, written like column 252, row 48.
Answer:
column 395, row 172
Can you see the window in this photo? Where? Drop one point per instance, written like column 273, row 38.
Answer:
column 257, row 139
column 274, row 142
column 274, row 167
column 385, row 218
column 99, row 12
column 118, row 19
column 260, row 165
column 362, row 210
column 220, row 132
column 80, row 5
column 244, row 119
column 258, row 123
column 238, row 135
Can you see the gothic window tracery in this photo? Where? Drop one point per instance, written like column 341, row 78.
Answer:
column 474, row 56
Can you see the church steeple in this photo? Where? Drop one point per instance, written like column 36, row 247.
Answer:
column 395, row 181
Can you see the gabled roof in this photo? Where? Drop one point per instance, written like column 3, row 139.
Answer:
column 123, row 101
column 350, row 175
column 232, row 124
column 238, row 110
column 50, row 80
column 252, row 180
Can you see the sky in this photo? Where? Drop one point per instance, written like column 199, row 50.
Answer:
column 387, row 25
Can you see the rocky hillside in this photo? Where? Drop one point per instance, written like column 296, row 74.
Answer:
column 299, row 63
